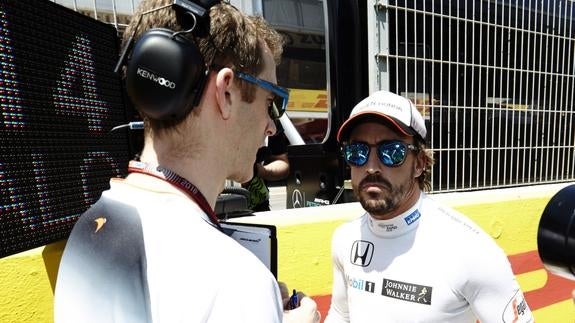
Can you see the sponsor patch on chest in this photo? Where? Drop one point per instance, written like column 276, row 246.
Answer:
column 361, row 253
column 406, row 291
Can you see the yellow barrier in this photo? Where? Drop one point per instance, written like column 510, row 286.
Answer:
column 510, row 216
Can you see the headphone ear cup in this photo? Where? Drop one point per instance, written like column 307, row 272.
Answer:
column 164, row 74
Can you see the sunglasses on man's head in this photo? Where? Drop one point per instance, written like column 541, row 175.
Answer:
column 281, row 95
column 391, row 153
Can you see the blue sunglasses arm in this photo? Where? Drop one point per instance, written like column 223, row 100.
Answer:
column 275, row 89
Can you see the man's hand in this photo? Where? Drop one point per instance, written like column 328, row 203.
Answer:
column 305, row 312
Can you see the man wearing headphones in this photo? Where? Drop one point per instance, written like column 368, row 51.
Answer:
column 202, row 76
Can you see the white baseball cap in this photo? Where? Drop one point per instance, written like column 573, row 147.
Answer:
column 396, row 110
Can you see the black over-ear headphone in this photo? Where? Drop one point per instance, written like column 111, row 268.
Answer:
column 166, row 73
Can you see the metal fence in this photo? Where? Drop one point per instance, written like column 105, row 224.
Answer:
column 495, row 81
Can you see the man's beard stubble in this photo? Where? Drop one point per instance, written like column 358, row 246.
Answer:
column 382, row 205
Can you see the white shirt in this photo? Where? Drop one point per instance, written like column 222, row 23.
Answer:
column 193, row 272
column 429, row 264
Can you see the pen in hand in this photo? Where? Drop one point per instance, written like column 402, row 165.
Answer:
column 298, row 307
column 293, row 301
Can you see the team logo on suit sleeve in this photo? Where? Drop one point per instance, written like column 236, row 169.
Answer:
column 517, row 310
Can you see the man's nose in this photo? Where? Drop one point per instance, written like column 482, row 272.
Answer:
column 373, row 163
column 271, row 128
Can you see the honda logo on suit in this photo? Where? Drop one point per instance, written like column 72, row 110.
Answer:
column 361, row 253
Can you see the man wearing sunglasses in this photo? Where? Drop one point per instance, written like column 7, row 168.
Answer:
column 408, row 258
column 151, row 249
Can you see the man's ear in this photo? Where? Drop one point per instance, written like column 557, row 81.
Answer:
column 420, row 162
column 224, row 87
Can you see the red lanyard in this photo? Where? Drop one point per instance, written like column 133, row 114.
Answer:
column 178, row 181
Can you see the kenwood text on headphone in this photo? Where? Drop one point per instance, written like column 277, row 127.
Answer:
column 166, row 73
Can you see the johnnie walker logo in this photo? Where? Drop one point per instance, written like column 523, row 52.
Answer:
column 406, row 291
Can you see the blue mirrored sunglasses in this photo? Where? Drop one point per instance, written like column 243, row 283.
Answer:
column 281, row 95
column 390, row 153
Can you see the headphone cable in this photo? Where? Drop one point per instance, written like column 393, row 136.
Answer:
column 134, row 125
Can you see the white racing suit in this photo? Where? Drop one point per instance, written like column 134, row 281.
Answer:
column 429, row 264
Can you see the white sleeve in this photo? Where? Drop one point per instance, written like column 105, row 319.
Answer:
column 338, row 311
column 492, row 290
column 255, row 300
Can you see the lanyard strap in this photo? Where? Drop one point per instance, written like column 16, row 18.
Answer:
column 169, row 176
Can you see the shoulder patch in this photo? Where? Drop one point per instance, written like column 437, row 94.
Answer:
column 517, row 310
